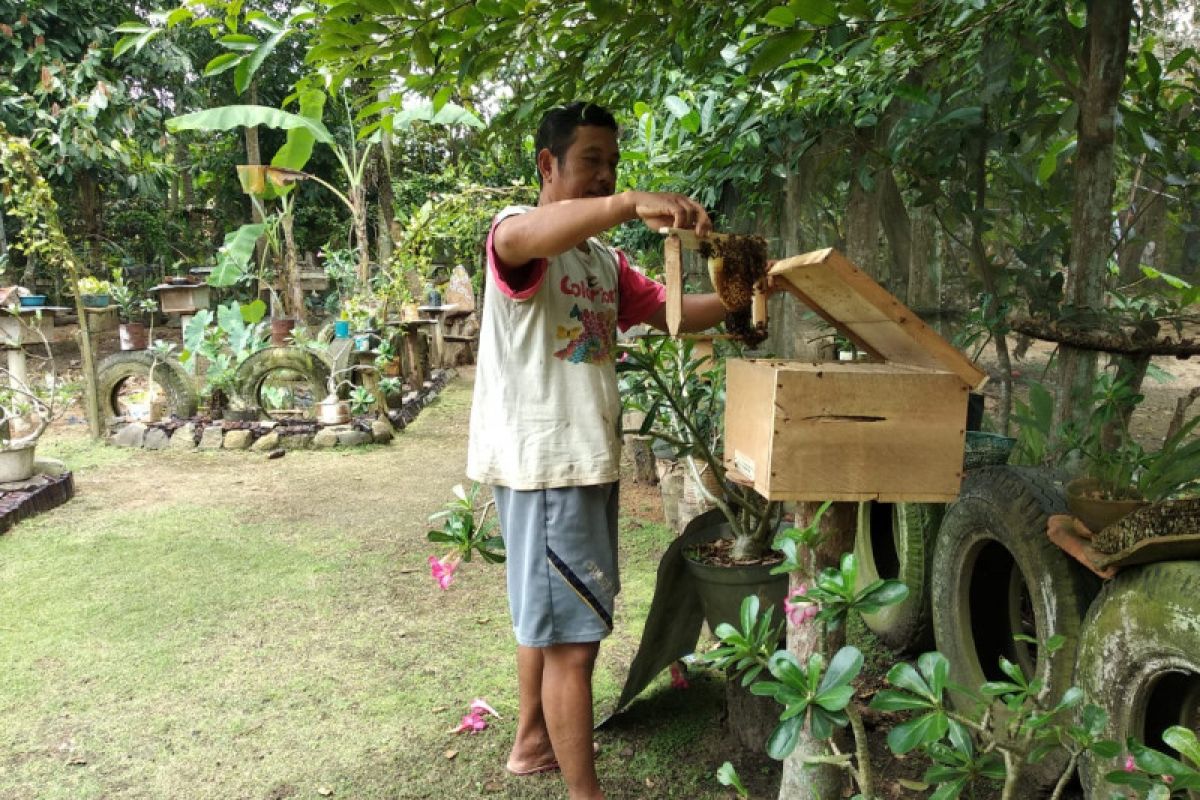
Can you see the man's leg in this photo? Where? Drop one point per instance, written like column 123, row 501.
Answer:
column 531, row 751
column 567, row 706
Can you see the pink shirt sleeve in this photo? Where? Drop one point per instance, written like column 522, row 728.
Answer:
column 520, row 284
column 638, row 298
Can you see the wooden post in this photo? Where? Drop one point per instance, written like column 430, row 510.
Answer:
column 838, row 526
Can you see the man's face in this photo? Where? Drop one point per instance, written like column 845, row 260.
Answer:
column 588, row 169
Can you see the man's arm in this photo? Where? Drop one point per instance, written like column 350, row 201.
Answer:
column 555, row 228
column 700, row 312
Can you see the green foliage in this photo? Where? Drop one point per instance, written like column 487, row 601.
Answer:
column 834, row 591
column 1159, row 776
column 810, row 693
column 361, row 400
column 237, row 333
column 746, row 651
column 466, row 533
column 1128, row 469
column 727, row 776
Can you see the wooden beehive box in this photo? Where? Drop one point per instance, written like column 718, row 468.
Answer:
column 182, row 298
column 890, row 429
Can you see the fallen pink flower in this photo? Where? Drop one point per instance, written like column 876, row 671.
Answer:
column 800, row 612
column 1168, row 779
column 442, row 570
column 480, row 706
column 471, row 723
column 678, row 681
column 1129, row 765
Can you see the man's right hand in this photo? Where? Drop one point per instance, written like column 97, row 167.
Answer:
column 669, row 210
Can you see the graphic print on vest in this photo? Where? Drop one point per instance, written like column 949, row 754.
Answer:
column 593, row 342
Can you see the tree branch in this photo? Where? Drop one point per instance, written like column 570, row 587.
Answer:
column 1085, row 336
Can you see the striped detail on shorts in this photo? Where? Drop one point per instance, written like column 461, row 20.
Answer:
column 581, row 589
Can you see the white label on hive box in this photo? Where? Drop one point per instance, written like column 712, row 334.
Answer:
column 743, row 463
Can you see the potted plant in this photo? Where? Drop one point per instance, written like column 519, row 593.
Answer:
column 336, row 410
column 685, row 410
column 1120, row 475
column 132, row 313
column 27, row 407
column 94, row 292
column 387, row 359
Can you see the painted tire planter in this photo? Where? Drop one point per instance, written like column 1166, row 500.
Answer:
column 895, row 541
column 178, row 389
column 1139, row 659
column 997, row 575
column 252, row 372
column 722, row 588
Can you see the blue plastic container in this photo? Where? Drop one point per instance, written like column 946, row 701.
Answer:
column 341, row 329
column 33, row 300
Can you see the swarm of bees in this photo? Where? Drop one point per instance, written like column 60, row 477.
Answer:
column 736, row 264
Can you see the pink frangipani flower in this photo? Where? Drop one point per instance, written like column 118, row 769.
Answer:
column 1129, row 765
column 678, row 681
column 442, row 570
column 479, row 706
column 471, row 723
column 801, row 611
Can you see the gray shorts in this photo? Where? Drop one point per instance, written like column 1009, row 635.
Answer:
column 562, row 562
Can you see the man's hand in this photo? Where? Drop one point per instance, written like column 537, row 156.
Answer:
column 668, row 210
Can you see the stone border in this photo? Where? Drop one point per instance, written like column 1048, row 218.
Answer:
column 50, row 487
column 201, row 433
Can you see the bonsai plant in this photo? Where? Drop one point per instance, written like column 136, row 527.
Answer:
column 685, row 409
column 27, row 407
column 1119, row 474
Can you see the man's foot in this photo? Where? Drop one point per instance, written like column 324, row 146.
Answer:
column 520, row 772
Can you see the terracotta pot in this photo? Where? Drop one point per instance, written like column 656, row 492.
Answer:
column 281, row 331
column 1093, row 510
column 133, row 336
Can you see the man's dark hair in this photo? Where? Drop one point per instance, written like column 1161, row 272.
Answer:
column 557, row 131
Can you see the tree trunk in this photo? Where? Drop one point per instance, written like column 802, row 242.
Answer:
column 800, row 781
column 1141, row 224
column 89, row 210
column 385, row 236
column 897, row 227
column 292, row 288
column 1106, row 46
column 862, row 221
column 924, row 265
column 253, row 158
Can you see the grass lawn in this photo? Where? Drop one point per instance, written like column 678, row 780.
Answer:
column 197, row 625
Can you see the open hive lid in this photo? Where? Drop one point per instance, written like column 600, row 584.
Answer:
column 870, row 316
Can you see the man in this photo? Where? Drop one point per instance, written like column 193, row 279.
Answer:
column 545, row 421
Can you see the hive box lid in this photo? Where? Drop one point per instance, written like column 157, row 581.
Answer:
column 867, row 314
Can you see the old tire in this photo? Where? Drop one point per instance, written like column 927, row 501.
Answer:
column 177, row 385
column 1139, row 658
column 995, row 575
column 254, row 370
column 895, row 540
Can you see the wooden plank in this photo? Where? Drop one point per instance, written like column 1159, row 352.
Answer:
column 688, row 237
column 673, row 268
column 869, row 315
column 750, row 391
column 896, row 435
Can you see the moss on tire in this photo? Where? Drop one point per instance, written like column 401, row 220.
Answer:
column 996, row 576
column 895, row 540
column 178, row 388
column 1139, row 658
column 251, row 373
